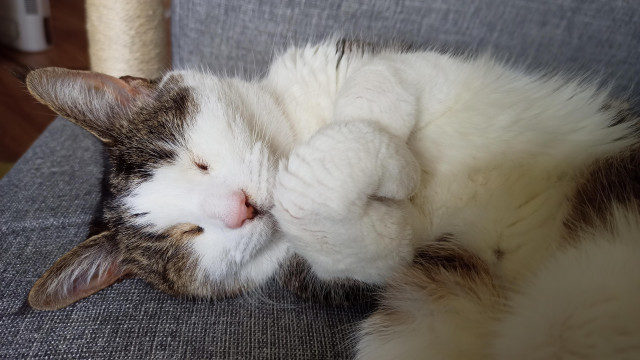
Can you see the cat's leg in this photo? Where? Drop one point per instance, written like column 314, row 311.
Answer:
column 442, row 307
column 583, row 302
column 343, row 201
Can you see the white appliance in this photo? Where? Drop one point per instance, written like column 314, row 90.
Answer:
column 25, row 24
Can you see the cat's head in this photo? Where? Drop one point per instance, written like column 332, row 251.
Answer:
column 187, row 208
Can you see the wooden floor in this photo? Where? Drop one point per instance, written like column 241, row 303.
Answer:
column 22, row 119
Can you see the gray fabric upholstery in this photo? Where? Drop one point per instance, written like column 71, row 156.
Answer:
column 48, row 199
column 596, row 37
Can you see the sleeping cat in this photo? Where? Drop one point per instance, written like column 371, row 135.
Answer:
column 498, row 210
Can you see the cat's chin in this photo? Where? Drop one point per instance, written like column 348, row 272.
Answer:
column 255, row 258
column 223, row 252
column 257, row 234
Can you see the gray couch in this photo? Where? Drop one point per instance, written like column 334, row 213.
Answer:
column 48, row 199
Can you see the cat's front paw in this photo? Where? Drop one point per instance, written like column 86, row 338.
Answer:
column 342, row 197
column 342, row 168
column 346, row 163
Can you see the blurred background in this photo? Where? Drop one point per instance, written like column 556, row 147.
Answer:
column 22, row 118
column 42, row 33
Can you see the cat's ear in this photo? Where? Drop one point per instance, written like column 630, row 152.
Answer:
column 89, row 267
column 97, row 102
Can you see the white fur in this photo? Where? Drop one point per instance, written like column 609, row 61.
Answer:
column 476, row 129
column 456, row 328
column 386, row 152
column 583, row 303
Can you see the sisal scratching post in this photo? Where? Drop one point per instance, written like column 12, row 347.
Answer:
column 127, row 37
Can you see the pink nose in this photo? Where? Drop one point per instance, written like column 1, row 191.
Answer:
column 239, row 211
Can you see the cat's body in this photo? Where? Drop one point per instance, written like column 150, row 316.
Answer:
column 462, row 186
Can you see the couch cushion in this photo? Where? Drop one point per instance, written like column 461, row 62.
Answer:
column 599, row 37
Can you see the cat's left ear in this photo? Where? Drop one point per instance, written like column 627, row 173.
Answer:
column 97, row 102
